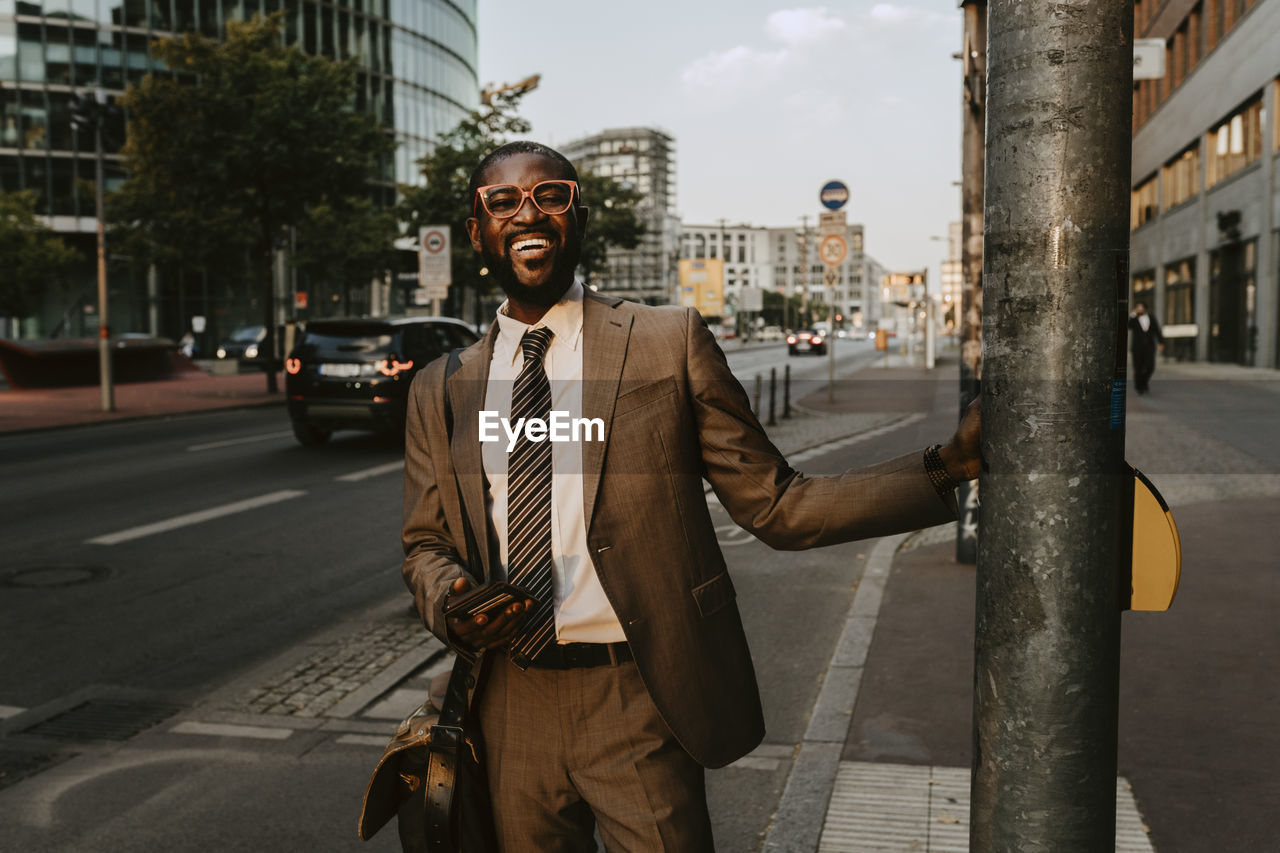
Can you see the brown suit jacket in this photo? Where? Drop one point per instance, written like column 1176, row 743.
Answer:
column 674, row 415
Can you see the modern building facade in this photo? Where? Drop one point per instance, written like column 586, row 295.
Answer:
column 418, row 75
column 643, row 158
column 1205, row 211
column 744, row 256
column 785, row 261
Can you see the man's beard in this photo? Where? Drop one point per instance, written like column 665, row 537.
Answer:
column 544, row 295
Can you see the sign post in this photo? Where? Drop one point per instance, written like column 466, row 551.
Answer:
column 435, row 272
column 832, row 248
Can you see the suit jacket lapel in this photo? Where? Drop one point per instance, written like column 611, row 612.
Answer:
column 466, row 389
column 605, row 333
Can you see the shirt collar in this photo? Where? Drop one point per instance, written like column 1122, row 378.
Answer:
column 564, row 318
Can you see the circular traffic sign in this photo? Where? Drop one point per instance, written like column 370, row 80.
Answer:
column 832, row 249
column 433, row 241
column 834, row 195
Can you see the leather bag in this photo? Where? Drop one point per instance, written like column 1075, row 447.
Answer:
column 431, row 775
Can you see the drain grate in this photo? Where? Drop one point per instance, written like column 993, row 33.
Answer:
column 104, row 719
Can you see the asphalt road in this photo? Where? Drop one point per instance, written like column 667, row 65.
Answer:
column 168, row 554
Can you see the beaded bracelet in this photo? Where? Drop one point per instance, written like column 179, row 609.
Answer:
column 937, row 471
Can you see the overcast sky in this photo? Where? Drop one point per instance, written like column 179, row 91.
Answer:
column 766, row 101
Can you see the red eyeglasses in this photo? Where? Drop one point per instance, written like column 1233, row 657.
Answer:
column 503, row 201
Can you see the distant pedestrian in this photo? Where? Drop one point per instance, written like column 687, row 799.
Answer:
column 631, row 673
column 1144, row 337
column 188, row 345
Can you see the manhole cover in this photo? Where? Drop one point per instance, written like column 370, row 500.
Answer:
column 37, row 577
column 104, row 719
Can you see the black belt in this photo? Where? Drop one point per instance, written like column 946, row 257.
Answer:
column 574, row 655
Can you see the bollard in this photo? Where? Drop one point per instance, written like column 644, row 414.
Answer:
column 773, row 395
column 756, row 407
column 786, row 392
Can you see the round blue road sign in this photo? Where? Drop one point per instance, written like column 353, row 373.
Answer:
column 834, row 195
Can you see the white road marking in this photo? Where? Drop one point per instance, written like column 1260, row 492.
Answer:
column 194, row 517
column 230, row 730
column 231, row 442
column 376, row 471
column 7, row 711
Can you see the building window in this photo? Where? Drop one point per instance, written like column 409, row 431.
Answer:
column 1144, row 285
column 1235, row 143
column 1143, row 203
column 1182, row 177
column 1179, row 305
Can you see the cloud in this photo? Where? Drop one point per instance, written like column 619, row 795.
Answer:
column 734, row 67
column 894, row 14
column 744, row 67
column 803, row 26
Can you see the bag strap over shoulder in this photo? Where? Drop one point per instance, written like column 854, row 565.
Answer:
column 466, row 672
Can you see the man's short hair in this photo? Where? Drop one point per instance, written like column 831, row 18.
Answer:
column 520, row 146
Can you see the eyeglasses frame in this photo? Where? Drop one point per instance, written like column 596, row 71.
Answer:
column 524, row 194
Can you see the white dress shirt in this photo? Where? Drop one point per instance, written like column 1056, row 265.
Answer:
column 583, row 613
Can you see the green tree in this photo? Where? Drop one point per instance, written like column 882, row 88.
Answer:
column 612, row 221
column 441, row 199
column 346, row 243
column 35, row 259
column 237, row 146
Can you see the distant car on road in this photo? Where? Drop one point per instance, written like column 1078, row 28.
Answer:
column 771, row 333
column 244, row 345
column 806, row 341
column 354, row 373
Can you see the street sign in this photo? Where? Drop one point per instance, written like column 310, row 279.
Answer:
column 834, row 195
column 831, row 277
column 832, row 249
column 434, row 269
column 832, row 222
column 752, row 298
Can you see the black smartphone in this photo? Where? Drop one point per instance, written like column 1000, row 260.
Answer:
column 487, row 598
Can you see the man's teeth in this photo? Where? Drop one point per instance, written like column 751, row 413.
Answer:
column 532, row 243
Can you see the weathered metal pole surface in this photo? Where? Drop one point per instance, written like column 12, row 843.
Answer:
column 973, row 154
column 1046, row 677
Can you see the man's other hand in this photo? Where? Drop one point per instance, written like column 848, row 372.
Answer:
column 963, row 454
column 489, row 630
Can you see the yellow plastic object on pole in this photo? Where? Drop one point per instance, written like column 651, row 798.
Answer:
column 1157, row 550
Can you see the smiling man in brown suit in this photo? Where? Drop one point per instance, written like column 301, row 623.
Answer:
column 605, row 702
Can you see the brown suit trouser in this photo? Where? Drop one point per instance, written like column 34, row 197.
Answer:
column 567, row 749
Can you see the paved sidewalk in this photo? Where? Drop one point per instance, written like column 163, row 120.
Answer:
column 49, row 408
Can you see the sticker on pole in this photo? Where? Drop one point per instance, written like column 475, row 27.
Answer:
column 834, row 195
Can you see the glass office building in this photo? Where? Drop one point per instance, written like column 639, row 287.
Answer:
column 417, row 60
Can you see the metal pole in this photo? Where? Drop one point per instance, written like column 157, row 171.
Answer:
column 757, row 396
column 1047, row 637
column 773, row 395
column 974, row 120
column 786, row 392
column 104, row 328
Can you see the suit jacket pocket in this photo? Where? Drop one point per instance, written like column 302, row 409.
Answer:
column 643, row 396
column 714, row 594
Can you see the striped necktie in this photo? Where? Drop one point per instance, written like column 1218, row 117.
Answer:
column 529, row 502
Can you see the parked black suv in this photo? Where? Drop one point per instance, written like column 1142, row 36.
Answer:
column 354, row 373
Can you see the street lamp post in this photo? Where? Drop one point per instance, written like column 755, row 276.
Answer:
column 87, row 114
